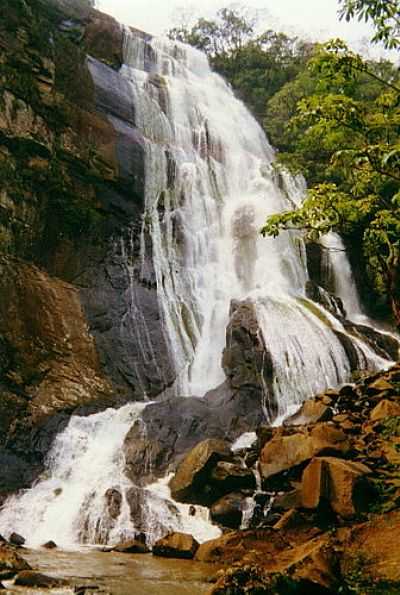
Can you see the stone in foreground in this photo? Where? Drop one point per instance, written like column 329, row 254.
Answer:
column 176, row 545
column 341, row 483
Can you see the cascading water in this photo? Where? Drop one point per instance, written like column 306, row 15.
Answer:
column 85, row 496
column 210, row 182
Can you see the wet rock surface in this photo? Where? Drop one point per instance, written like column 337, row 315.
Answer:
column 228, row 510
column 189, row 483
column 69, row 232
column 176, row 545
column 133, row 546
column 169, row 429
column 246, row 361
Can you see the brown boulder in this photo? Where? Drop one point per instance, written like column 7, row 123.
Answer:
column 284, row 452
column 10, row 562
column 379, row 385
column 133, row 546
column 376, row 546
column 310, row 412
column 176, row 545
column 189, row 483
column 385, row 408
column 336, row 481
column 233, row 546
column 288, row 500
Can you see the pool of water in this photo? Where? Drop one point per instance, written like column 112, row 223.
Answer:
column 122, row 574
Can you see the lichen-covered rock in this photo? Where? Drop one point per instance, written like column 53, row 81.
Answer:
column 176, row 545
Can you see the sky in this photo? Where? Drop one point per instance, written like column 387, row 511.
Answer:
column 309, row 19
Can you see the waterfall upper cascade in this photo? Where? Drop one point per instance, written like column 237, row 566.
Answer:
column 210, row 182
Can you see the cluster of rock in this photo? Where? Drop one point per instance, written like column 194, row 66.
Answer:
column 326, row 509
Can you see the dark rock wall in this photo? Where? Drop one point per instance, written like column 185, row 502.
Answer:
column 79, row 320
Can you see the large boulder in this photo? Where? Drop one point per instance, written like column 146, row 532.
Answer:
column 374, row 548
column 284, row 452
column 191, row 480
column 176, row 545
column 310, row 412
column 246, row 360
column 133, row 546
column 383, row 409
column 343, row 484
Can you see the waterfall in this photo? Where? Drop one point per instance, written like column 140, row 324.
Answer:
column 210, row 183
column 84, row 495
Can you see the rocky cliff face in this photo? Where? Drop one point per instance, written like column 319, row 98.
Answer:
column 71, row 171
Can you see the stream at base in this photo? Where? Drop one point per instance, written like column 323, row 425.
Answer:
column 122, row 574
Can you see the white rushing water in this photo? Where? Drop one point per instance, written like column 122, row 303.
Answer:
column 70, row 503
column 210, row 184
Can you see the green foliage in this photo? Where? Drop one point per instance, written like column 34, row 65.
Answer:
column 357, row 580
column 343, row 135
column 384, row 14
column 390, row 427
column 226, row 34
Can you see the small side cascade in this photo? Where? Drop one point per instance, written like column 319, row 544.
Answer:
column 84, row 496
